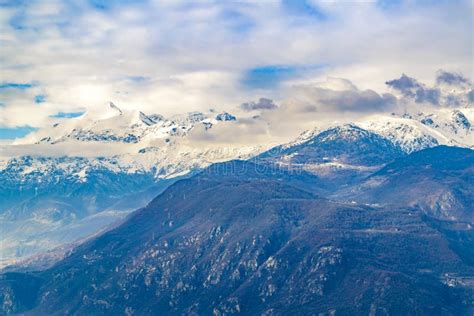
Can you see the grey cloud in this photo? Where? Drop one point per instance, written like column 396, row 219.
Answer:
column 470, row 96
column 427, row 95
column 441, row 94
column 320, row 104
column 262, row 104
column 309, row 108
column 360, row 101
column 452, row 100
column 242, row 131
column 405, row 84
column 319, row 99
column 173, row 44
column 451, row 78
column 410, row 87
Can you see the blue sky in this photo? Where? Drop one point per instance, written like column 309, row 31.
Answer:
column 12, row 133
column 15, row 85
column 67, row 114
column 268, row 76
column 60, row 58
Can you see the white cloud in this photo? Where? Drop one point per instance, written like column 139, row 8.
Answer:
column 194, row 53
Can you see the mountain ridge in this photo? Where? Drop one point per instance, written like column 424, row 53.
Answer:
column 151, row 166
column 253, row 243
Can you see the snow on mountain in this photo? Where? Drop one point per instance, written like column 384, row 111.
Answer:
column 123, row 127
column 224, row 116
column 454, row 123
column 359, row 148
column 263, row 242
column 113, row 106
column 409, row 134
column 49, row 201
column 51, row 195
column 413, row 132
column 344, row 148
column 80, row 195
column 303, row 137
column 151, row 143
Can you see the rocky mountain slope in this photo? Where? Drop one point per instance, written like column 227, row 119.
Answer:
column 439, row 181
column 52, row 200
column 243, row 238
column 344, row 147
column 48, row 201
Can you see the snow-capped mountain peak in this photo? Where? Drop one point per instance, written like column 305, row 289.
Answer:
column 146, row 119
column 116, row 108
column 224, row 116
column 155, row 149
column 123, row 127
column 413, row 132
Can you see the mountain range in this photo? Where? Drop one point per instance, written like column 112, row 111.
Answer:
column 262, row 238
column 52, row 201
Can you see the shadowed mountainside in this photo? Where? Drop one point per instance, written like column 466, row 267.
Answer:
column 257, row 241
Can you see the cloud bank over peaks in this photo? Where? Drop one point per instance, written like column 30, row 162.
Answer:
column 336, row 95
column 309, row 105
column 450, row 90
column 358, row 101
column 171, row 57
column 338, row 100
